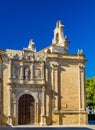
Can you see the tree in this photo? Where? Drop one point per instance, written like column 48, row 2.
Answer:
column 90, row 92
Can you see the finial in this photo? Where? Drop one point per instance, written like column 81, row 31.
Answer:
column 31, row 45
column 80, row 52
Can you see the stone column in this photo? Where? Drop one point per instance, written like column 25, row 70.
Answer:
column 79, row 84
column 32, row 70
column 82, row 92
column 10, row 107
column 10, row 70
column 43, row 71
column 46, row 75
column 82, row 105
column 56, row 88
column 53, row 87
column 15, row 116
column 55, row 66
column 43, row 107
column 21, row 71
column 13, row 108
column 36, row 114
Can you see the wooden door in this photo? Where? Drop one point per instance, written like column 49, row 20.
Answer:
column 26, row 110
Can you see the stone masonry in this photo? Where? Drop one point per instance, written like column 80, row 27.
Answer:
column 45, row 87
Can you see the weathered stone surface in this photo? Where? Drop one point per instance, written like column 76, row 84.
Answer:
column 52, row 77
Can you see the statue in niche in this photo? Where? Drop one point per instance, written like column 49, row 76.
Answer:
column 26, row 73
column 16, row 72
column 16, row 57
column 37, row 73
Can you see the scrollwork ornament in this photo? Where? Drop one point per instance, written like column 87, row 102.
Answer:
column 82, row 67
column 54, row 65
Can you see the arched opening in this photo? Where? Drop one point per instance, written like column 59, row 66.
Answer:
column 57, row 37
column 26, row 110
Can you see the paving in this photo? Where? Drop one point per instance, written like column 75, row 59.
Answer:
column 86, row 127
column 90, row 126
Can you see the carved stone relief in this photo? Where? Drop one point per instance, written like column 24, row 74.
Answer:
column 16, row 71
column 28, row 55
column 27, row 72
column 16, row 57
column 37, row 73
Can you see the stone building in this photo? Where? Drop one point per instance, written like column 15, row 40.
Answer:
column 45, row 87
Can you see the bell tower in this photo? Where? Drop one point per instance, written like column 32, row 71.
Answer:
column 58, row 33
column 60, row 42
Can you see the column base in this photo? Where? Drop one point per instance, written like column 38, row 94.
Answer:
column 43, row 120
column 10, row 120
column 36, row 124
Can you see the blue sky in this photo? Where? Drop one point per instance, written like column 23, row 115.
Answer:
column 21, row 20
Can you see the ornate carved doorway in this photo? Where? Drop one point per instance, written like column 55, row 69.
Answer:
column 26, row 110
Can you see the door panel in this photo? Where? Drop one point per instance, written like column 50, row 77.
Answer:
column 26, row 110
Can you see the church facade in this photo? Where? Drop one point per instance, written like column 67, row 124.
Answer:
column 45, row 87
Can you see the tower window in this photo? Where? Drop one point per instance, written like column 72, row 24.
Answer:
column 57, row 38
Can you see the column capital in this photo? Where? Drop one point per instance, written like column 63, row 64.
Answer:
column 43, row 88
column 54, row 65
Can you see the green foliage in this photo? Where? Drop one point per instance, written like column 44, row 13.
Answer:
column 91, row 116
column 90, row 92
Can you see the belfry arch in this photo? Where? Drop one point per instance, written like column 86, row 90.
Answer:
column 26, row 110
